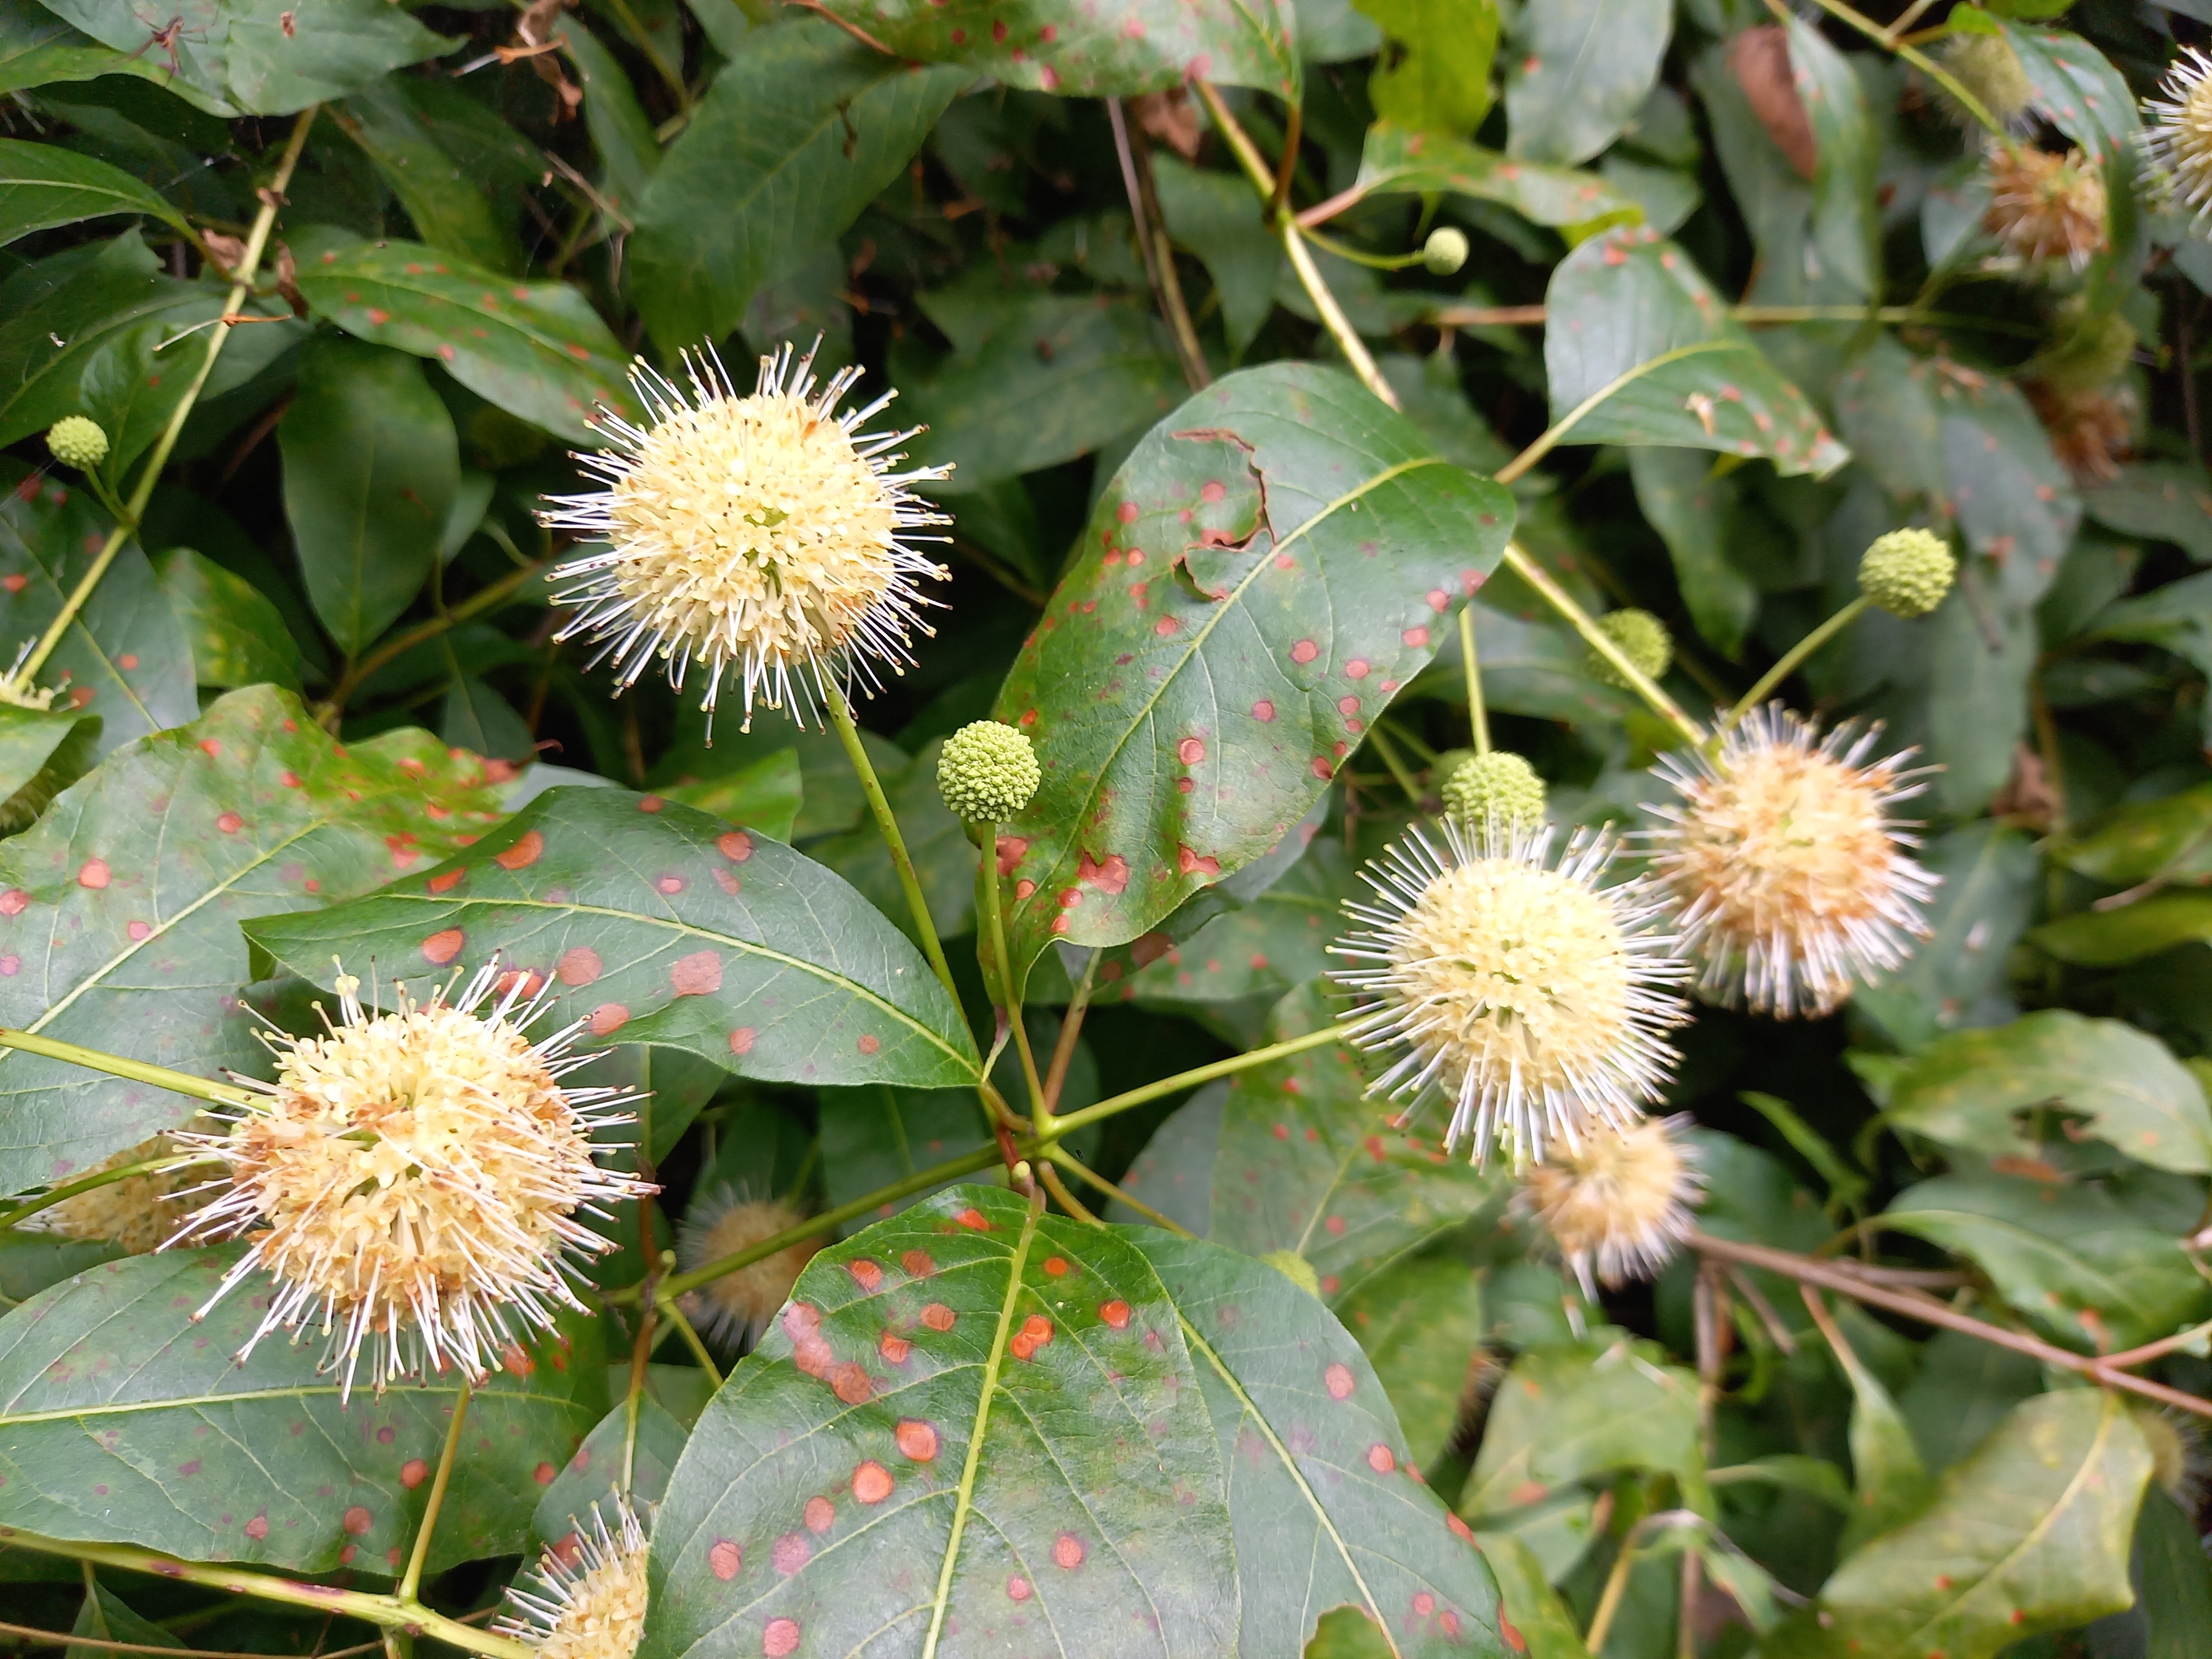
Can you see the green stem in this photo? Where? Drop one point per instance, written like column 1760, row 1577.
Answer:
column 986, row 837
column 840, row 717
column 1197, row 1075
column 1609, row 1603
column 1919, row 60
column 411, row 1580
column 1518, row 561
column 1557, row 432
column 1068, row 1161
column 684, row 1328
column 139, row 1070
column 1332, row 314
column 385, row 1612
column 54, row 1195
column 1389, row 751
column 1477, row 714
column 475, row 605
column 24, row 678
column 1795, row 654
column 1355, row 256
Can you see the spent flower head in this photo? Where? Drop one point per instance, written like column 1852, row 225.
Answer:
column 2046, row 208
column 1500, row 786
column 987, row 772
column 1907, row 572
column 1641, row 637
column 1524, row 993
column 1791, row 877
column 413, row 1178
column 734, row 1309
column 1618, row 1205
column 137, row 1212
column 78, row 442
column 2180, row 135
column 592, row 1606
column 765, row 536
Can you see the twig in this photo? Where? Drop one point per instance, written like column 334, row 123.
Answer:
column 1518, row 561
column 1068, row 1160
column 1153, row 245
column 1796, row 654
column 475, row 604
column 1477, row 714
column 1070, row 1026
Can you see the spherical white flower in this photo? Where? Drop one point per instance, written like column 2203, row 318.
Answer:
column 1618, row 1205
column 592, row 1606
column 2180, row 135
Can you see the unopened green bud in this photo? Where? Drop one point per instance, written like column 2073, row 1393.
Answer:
column 1907, row 572
column 1988, row 67
column 1296, row 1268
column 1445, row 251
column 1499, row 789
column 77, row 442
column 1642, row 638
column 987, row 772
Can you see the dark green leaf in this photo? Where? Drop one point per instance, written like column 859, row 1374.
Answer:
column 1419, row 1322
column 1964, row 1388
column 236, row 634
column 133, row 383
column 766, row 795
column 1527, row 1601
column 38, row 49
column 370, row 465
column 1434, row 73
column 1691, row 509
column 1348, row 1634
column 1626, row 300
column 2166, row 500
column 144, row 871
column 937, row 842
column 1566, row 1413
column 1955, row 977
column 2175, row 1599
column 628, row 152
column 1582, row 70
column 450, row 207
column 1395, row 160
column 1969, row 1090
column 635, row 1457
column 42, row 185
column 536, row 349
column 1846, row 219
column 670, row 926
column 873, row 1136
column 2169, row 840
column 42, row 752
column 1188, row 709
column 106, row 1618
column 788, row 145
column 1891, row 1484
column 476, row 718
column 123, row 1419
column 1264, row 948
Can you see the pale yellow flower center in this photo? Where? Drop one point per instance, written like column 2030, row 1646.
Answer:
column 1614, row 1196
column 605, row 1615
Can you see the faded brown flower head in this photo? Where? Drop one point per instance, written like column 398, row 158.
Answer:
column 1618, row 1204
column 592, row 1607
column 137, row 1212
column 2092, row 428
column 2045, row 208
column 413, row 1179
column 734, row 1309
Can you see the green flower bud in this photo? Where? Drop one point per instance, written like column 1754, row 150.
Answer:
column 1445, row 251
column 1988, row 67
column 987, row 772
column 1643, row 638
column 77, row 442
column 1498, row 788
column 1907, row 572
column 1296, row 1268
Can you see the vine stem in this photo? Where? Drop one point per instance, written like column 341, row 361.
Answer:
column 1517, row 561
column 840, row 717
column 1477, row 714
column 1795, row 655
column 139, row 1070
column 387, row 1612
column 26, row 675
column 411, row 1580
column 70, row 1190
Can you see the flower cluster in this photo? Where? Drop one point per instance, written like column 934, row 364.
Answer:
column 592, row 1606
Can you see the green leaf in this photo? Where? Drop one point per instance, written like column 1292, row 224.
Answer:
column 1263, row 948
column 255, row 56
column 1891, row 1485
column 1967, row 1090
column 125, row 657
column 1530, row 1608
column 2169, row 839
column 1846, row 220
column 620, row 133
column 1189, row 709
column 637, row 1458
column 236, row 636
column 1991, row 877
column 1963, row 1387
column 2100, row 1265
column 1395, row 161
column 1692, row 509
column 106, row 1619
column 2175, row 1600
column 371, row 466
column 2029, row 1534
column 38, row 49
column 132, row 385
column 1580, row 71
column 1434, row 71
column 969, row 1417
column 2076, row 88
column 1419, row 1322
column 2017, row 503
column 451, row 207
column 876, row 1136
column 42, row 185
column 123, row 1419
column 2106, row 939
column 2164, row 500
column 1566, row 1413
column 670, row 926
column 790, row 142
column 536, row 349
column 144, row 870
column 1217, row 217
column 1115, row 51
column 1347, row 1633
column 476, row 718
column 1846, row 1184
column 42, row 752
column 1627, row 303
column 766, row 795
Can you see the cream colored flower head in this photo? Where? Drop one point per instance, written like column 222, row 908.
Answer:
column 137, row 1212
column 734, row 1309
column 2044, row 208
column 2180, row 135
column 1522, row 991
column 1791, row 875
column 1618, row 1205
column 412, row 1180
column 766, row 537
column 591, row 1606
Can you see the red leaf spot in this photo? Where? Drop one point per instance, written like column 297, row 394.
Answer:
column 445, row 881
column 869, row 1042
column 1459, row 1526
column 741, row 1040
column 918, row 1263
column 894, row 1348
column 16, row 584
column 998, row 33
column 1337, row 1379
column 972, row 1219
column 650, row 803
column 1055, row 1264
column 872, row 1482
column 607, row 1017
column 139, row 931
column 441, row 947
column 780, row 1639
column 1127, row 513
column 1067, row 1551
column 579, row 966
column 938, row 1316
column 378, row 316
column 789, row 1554
column 852, row 1383
column 1423, row 1605
column 1304, row 651
column 93, row 873
column 1116, row 1314
column 916, row 1440
column 413, row 1472
column 1191, row 863
column 524, row 853
column 11, row 965
column 289, row 780
column 671, row 886
column 1380, row 1460
column 1450, row 1622
column 1010, row 851
column 357, row 1521
column 1335, row 1226
column 1357, row 669
column 258, row 1527
column 1282, row 1131
column 697, row 974
column 1109, row 876
column 724, row 1559
column 1190, row 751
column 1322, row 769
column 736, row 846
column 1035, row 1334
column 13, row 901
column 819, row 1514
column 866, row 1273
column 1416, row 637
column 1263, row 711
column 1018, row 1588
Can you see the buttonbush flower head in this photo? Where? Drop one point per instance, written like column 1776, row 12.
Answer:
column 1500, row 785
column 1907, row 572
column 1988, row 67
column 1445, row 251
column 1619, row 1204
column 987, row 772
column 1642, row 638
column 77, row 442
column 766, row 537
column 1792, row 877
column 2178, row 1461
column 592, row 1605
column 2180, row 135
column 736, row 1308
column 1520, row 990
column 413, row 1179
column 2045, row 208
column 137, row 1212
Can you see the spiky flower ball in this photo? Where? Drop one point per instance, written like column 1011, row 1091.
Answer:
column 2045, row 208
column 1907, row 572
column 987, row 772
column 412, row 1179
column 1791, row 877
column 765, row 536
column 1499, row 788
column 1445, row 251
column 1526, row 995
column 1988, row 67
column 1618, row 1205
column 2092, row 428
column 1641, row 637
column 590, row 1607
column 2177, row 1461
column 77, row 442
column 736, row 1308
column 2180, row 135
column 137, row 1212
